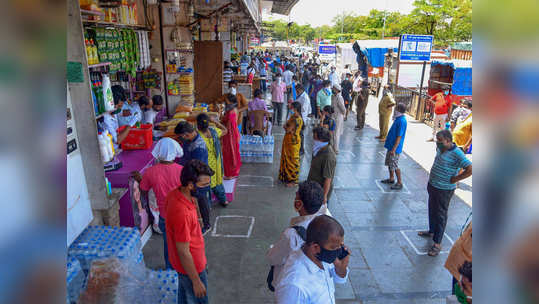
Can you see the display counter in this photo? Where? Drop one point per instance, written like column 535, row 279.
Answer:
column 132, row 160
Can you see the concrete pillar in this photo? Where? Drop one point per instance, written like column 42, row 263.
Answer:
column 83, row 109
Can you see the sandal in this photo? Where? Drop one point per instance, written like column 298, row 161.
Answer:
column 425, row 233
column 434, row 251
column 387, row 181
column 396, row 187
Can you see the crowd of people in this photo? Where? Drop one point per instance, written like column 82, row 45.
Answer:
column 310, row 255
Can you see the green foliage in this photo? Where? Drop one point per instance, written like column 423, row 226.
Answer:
column 448, row 20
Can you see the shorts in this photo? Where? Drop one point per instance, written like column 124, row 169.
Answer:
column 392, row 161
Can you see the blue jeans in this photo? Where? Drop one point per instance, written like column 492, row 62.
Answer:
column 163, row 228
column 186, row 294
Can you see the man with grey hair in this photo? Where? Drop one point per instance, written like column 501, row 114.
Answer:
column 444, row 175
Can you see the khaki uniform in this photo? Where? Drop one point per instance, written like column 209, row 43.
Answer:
column 384, row 112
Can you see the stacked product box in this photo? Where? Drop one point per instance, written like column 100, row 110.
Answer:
column 256, row 149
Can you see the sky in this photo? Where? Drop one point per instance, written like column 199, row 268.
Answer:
column 320, row 12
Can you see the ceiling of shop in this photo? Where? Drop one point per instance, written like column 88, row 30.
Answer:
column 283, row 7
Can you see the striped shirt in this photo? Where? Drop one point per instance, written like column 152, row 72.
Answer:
column 447, row 165
column 227, row 75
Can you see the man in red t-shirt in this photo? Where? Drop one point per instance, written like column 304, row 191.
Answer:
column 184, row 236
column 442, row 109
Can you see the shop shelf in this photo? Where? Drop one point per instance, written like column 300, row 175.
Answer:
column 91, row 13
column 112, row 24
column 102, row 64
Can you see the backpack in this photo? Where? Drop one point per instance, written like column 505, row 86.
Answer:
column 303, row 235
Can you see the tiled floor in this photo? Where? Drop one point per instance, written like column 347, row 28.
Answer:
column 385, row 265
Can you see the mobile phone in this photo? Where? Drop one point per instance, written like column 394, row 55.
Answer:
column 343, row 253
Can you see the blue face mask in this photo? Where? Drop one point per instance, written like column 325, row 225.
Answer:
column 446, row 92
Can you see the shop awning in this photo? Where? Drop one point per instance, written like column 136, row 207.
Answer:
column 283, row 7
column 375, row 50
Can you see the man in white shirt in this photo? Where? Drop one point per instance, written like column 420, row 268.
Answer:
column 307, row 202
column 333, row 77
column 303, row 99
column 110, row 119
column 130, row 112
column 287, row 78
column 309, row 274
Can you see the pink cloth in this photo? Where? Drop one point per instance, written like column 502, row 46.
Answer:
column 277, row 92
column 161, row 178
column 231, row 145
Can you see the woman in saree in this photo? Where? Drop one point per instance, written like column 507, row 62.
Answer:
column 289, row 169
column 231, row 141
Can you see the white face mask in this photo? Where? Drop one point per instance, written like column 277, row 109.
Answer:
column 279, row 79
column 233, row 91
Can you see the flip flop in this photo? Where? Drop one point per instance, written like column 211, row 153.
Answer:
column 396, row 187
column 434, row 251
column 387, row 181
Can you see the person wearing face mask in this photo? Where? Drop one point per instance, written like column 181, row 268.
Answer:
column 162, row 178
column 194, row 147
column 323, row 162
column 315, row 87
column 131, row 112
column 309, row 275
column 242, row 102
column 394, row 144
column 337, row 102
column 307, row 202
column 443, row 179
column 289, row 166
column 442, row 108
column 187, row 251
column 323, row 98
column 346, row 93
column 278, row 88
column 109, row 122
column 384, row 113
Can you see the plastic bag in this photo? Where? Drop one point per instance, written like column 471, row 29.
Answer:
column 107, row 94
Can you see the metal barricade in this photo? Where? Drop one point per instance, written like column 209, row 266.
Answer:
column 417, row 106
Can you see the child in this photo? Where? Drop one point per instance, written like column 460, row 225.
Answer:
column 394, row 143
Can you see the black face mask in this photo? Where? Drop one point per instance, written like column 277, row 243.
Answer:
column 194, row 192
column 328, row 256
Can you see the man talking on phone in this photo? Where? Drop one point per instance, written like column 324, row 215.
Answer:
column 309, row 274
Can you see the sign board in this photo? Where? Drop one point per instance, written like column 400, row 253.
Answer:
column 327, row 51
column 415, row 47
column 254, row 41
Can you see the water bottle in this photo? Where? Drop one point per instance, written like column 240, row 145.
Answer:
column 448, row 126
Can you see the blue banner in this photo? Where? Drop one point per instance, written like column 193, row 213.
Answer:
column 416, row 47
column 327, row 49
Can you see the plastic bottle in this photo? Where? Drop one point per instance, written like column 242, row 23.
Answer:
column 94, row 52
column 107, row 94
column 88, row 52
column 110, row 144
column 105, row 156
column 448, row 126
